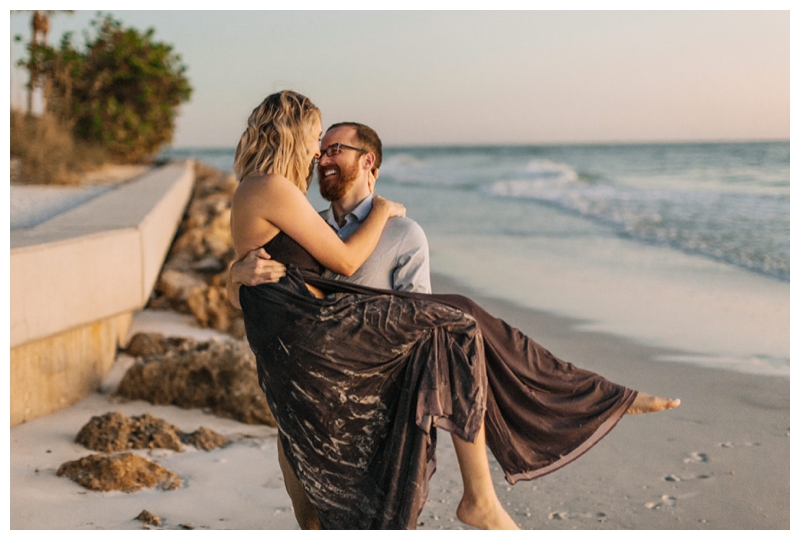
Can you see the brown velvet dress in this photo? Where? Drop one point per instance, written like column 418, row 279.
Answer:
column 359, row 380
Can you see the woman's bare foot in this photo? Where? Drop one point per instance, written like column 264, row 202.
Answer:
column 487, row 515
column 645, row 403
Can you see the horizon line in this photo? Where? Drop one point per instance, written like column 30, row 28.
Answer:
column 490, row 145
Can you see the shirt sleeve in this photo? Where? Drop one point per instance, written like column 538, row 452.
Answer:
column 412, row 272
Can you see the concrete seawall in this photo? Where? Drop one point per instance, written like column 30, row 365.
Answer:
column 76, row 280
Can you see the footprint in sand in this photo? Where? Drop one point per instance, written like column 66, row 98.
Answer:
column 696, row 457
column 676, row 478
column 667, row 501
column 273, row 482
column 566, row 515
column 600, row 516
column 729, row 444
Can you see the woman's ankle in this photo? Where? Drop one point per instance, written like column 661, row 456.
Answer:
column 484, row 511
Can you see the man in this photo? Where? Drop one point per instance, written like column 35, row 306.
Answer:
column 351, row 156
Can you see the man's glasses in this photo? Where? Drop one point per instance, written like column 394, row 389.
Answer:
column 335, row 148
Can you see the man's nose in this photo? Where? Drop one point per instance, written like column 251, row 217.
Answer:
column 324, row 159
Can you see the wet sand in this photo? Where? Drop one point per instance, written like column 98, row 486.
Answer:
column 720, row 461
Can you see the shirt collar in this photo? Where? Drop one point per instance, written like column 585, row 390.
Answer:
column 359, row 213
column 363, row 209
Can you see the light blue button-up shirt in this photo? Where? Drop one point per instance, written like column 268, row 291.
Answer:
column 399, row 262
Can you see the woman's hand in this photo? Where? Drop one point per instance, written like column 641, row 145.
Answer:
column 257, row 268
column 393, row 208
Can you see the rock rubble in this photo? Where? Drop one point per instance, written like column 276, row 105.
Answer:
column 115, row 432
column 119, row 472
column 193, row 278
column 217, row 376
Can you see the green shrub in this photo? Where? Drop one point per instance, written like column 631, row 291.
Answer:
column 121, row 92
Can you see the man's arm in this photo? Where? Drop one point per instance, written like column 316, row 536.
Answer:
column 413, row 271
column 256, row 268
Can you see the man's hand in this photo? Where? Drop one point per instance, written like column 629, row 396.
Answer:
column 256, row 268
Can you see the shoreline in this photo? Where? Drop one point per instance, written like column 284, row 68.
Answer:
column 719, row 461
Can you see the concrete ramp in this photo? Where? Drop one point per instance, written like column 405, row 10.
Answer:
column 76, row 280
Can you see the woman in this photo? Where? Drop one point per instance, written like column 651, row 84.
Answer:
column 357, row 378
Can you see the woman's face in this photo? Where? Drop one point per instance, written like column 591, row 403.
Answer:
column 312, row 138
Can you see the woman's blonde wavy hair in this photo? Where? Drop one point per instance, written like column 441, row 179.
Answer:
column 274, row 141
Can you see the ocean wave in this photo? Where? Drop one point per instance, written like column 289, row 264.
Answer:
column 549, row 170
column 470, row 170
column 748, row 230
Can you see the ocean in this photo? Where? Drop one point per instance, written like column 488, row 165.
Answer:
column 680, row 246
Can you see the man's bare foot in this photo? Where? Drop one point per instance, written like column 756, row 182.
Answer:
column 486, row 515
column 645, row 403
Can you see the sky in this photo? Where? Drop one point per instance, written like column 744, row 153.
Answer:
column 476, row 77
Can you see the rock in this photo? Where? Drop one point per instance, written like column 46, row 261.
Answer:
column 108, row 433
column 144, row 344
column 115, row 431
column 219, row 376
column 190, row 242
column 208, row 265
column 119, row 472
column 178, row 286
column 206, row 439
column 236, row 328
column 16, row 170
column 158, row 302
column 148, row 519
column 217, row 236
column 211, row 308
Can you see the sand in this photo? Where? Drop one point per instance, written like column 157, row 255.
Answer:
column 720, row 461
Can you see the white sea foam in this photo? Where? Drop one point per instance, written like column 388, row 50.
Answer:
column 753, row 365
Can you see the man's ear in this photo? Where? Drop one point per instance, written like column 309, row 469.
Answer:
column 369, row 160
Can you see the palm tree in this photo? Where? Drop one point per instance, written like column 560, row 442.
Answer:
column 40, row 23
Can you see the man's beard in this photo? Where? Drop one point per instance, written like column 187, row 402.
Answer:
column 333, row 188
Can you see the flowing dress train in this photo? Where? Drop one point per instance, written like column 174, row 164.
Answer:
column 359, row 380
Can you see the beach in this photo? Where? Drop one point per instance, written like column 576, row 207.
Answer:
column 719, row 461
column 708, row 327
column 613, row 184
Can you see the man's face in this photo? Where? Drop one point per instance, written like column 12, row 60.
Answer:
column 338, row 173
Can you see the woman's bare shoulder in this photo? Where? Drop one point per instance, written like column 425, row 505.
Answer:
column 258, row 181
column 257, row 186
